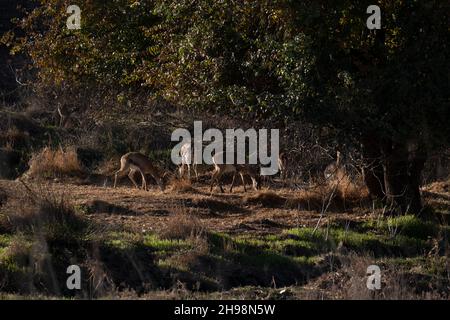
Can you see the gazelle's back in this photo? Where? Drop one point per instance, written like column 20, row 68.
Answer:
column 219, row 161
column 138, row 159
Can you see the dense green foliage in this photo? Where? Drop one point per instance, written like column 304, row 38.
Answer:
column 269, row 58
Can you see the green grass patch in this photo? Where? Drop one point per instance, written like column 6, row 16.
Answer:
column 5, row 239
column 412, row 226
column 407, row 225
column 322, row 241
column 166, row 245
column 122, row 240
column 264, row 251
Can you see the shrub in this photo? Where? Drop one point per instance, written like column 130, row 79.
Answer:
column 335, row 195
column 50, row 163
column 15, row 266
column 182, row 225
column 45, row 214
column 317, row 197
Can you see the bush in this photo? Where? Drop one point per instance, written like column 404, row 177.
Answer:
column 182, row 225
column 14, row 266
column 50, row 163
column 45, row 214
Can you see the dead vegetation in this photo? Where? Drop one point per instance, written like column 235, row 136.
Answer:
column 182, row 225
column 266, row 198
column 44, row 214
column 55, row 163
column 335, row 195
column 180, row 185
column 398, row 282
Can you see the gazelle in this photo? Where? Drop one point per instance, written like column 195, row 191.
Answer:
column 186, row 161
column 334, row 169
column 137, row 162
column 241, row 169
column 282, row 165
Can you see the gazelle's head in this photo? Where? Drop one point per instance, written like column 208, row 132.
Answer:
column 256, row 177
column 161, row 184
column 165, row 177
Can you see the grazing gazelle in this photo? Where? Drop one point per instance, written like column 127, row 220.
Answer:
column 137, row 162
column 241, row 169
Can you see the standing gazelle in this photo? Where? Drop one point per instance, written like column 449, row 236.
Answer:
column 186, row 154
column 243, row 169
column 282, row 165
column 335, row 169
column 137, row 162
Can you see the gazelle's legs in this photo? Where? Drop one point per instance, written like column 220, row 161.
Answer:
column 194, row 167
column 131, row 176
column 217, row 174
column 123, row 168
column 255, row 184
column 144, row 182
column 189, row 171
column 232, row 182
column 243, row 180
column 213, row 178
column 181, row 171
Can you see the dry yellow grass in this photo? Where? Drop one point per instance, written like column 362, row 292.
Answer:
column 180, row 185
column 309, row 199
column 50, row 163
column 337, row 194
column 266, row 198
column 182, row 225
column 439, row 187
column 348, row 189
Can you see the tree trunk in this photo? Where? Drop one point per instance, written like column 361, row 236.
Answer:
column 393, row 173
column 417, row 163
column 373, row 171
column 402, row 177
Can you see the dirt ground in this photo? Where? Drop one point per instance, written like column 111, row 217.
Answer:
column 148, row 211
